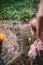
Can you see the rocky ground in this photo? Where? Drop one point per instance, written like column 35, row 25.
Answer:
column 16, row 39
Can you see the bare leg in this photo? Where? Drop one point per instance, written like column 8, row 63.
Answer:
column 40, row 10
column 40, row 20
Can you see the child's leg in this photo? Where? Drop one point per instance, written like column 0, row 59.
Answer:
column 2, row 60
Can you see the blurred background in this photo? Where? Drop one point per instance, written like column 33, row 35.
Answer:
column 18, row 9
column 14, row 18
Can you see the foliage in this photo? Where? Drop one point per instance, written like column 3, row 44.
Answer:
column 18, row 9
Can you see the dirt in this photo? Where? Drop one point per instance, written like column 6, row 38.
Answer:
column 15, row 40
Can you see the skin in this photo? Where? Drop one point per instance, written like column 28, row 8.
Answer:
column 40, row 10
column 39, row 26
column 33, row 24
column 33, row 32
column 40, row 20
